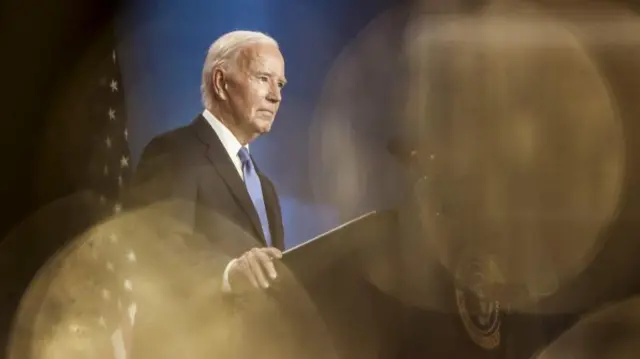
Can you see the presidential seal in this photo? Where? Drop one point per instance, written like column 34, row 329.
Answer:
column 480, row 316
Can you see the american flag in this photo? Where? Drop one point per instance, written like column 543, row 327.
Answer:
column 110, row 173
column 111, row 166
column 81, row 302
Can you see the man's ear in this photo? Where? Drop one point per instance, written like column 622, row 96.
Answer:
column 220, row 84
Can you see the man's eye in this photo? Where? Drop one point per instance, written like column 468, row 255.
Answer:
column 281, row 84
column 264, row 78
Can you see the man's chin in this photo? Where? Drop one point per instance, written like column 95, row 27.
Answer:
column 264, row 126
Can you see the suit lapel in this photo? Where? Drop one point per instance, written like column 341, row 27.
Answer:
column 218, row 156
column 273, row 212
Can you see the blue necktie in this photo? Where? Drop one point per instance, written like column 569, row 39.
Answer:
column 252, row 181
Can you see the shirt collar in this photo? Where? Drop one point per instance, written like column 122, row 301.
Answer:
column 229, row 141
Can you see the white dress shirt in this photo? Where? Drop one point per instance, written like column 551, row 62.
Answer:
column 233, row 146
column 229, row 141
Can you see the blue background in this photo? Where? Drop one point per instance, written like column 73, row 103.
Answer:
column 330, row 56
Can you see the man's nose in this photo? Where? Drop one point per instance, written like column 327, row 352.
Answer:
column 274, row 95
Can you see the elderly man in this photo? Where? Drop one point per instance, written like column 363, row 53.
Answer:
column 204, row 170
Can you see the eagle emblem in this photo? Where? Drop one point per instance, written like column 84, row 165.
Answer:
column 480, row 316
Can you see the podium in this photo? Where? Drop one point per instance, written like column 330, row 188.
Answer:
column 328, row 272
column 364, row 321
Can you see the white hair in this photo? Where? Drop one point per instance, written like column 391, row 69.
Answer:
column 223, row 51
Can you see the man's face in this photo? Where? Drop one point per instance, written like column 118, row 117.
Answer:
column 254, row 88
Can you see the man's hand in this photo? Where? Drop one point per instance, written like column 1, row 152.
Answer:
column 254, row 267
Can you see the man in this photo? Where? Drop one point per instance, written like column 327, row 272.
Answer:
column 204, row 172
column 202, row 177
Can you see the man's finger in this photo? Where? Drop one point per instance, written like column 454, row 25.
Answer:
column 273, row 252
column 256, row 269
column 267, row 263
column 243, row 264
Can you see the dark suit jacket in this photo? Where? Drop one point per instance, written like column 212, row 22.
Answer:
column 190, row 194
column 187, row 189
column 190, row 168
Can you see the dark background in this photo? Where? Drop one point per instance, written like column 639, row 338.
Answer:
column 42, row 44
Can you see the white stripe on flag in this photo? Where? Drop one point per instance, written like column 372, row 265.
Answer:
column 117, row 342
